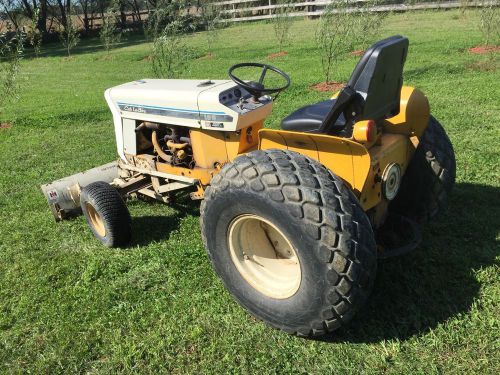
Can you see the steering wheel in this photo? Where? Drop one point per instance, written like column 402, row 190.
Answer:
column 257, row 89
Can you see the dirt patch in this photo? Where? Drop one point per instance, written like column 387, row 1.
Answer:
column 5, row 125
column 327, row 86
column 68, row 58
column 358, row 52
column 208, row 56
column 481, row 50
column 277, row 54
column 484, row 66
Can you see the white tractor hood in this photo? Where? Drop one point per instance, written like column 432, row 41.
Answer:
column 204, row 104
column 173, row 101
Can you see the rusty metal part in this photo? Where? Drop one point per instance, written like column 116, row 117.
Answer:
column 147, row 125
column 134, row 184
column 176, row 146
column 158, row 150
column 199, row 193
column 171, row 137
column 63, row 195
column 164, row 171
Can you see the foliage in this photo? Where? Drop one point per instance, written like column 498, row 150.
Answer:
column 167, row 12
column 464, row 4
column 282, row 22
column 11, row 52
column 34, row 35
column 170, row 55
column 69, row 34
column 212, row 22
column 340, row 30
column 489, row 23
column 110, row 33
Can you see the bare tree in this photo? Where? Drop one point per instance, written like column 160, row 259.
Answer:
column 69, row 34
column 110, row 33
column 341, row 29
column 212, row 22
column 282, row 22
column 34, row 35
column 489, row 23
column 86, row 10
column 11, row 52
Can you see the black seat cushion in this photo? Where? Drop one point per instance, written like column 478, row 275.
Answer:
column 309, row 118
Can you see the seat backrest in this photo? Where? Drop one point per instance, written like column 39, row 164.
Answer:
column 374, row 89
column 378, row 78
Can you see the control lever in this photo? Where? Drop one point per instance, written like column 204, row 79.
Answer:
column 241, row 101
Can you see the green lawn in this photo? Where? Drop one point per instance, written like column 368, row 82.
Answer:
column 68, row 305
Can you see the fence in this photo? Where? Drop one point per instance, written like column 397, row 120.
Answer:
column 253, row 10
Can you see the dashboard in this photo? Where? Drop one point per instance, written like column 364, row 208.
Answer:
column 240, row 100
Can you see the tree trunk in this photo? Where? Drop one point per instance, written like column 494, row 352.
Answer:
column 41, row 24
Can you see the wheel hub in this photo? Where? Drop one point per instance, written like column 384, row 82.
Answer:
column 95, row 219
column 391, row 180
column 264, row 256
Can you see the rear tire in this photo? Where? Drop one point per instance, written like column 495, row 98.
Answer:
column 299, row 212
column 429, row 178
column 106, row 214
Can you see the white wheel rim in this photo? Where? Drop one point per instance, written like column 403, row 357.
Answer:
column 264, row 257
column 95, row 219
column 391, row 181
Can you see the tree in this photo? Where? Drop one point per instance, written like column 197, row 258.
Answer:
column 282, row 22
column 110, row 34
column 163, row 14
column 341, row 29
column 489, row 23
column 170, row 55
column 212, row 22
column 11, row 53
column 34, row 35
column 69, row 34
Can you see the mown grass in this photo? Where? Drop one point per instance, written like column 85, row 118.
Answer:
column 68, row 305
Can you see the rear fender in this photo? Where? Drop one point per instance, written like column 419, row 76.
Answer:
column 413, row 116
column 347, row 159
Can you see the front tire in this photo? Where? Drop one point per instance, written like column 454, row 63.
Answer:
column 289, row 241
column 106, row 214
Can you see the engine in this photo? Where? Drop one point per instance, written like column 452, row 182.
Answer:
column 171, row 144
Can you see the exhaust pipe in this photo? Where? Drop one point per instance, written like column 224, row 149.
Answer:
column 63, row 195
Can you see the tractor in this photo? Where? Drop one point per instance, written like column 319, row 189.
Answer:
column 293, row 220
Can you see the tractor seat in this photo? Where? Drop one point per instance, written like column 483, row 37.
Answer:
column 308, row 119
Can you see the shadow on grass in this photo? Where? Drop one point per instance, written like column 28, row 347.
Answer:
column 148, row 229
column 421, row 290
column 412, row 293
column 89, row 45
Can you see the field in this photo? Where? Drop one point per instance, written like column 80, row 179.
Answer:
column 68, row 305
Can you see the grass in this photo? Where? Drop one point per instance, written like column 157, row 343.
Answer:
column 68, row 305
